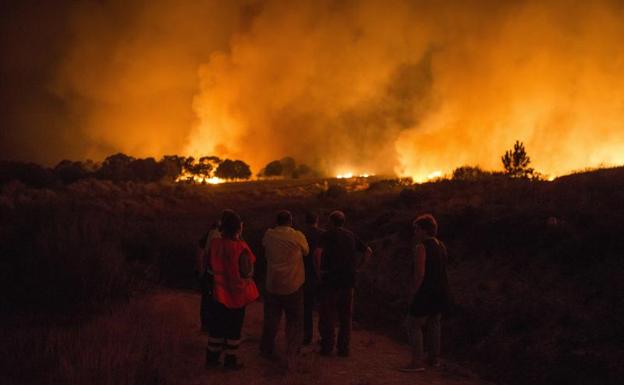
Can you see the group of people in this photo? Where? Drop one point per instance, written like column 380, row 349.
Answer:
column 304, row 268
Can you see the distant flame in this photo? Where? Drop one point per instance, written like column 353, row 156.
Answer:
column 350, row 174
column 187, row 177
column 426, row 177
column 434, row 175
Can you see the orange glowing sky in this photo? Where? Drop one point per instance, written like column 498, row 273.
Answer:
column 399, row 87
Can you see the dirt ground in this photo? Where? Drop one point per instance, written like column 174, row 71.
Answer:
column 374, row 358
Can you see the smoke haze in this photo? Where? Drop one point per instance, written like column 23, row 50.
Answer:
column 365, row 86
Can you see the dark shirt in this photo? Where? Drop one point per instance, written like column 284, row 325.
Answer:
column 338, row 262
column 433, row 296
column 313, row 235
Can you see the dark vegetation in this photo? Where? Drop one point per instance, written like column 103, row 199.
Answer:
column 536, row 266
column 516, row 162
column 123, row 168
column 287, row 168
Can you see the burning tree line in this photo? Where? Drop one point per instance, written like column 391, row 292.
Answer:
column 210, row 169
column 171, row 168
column 122, row 168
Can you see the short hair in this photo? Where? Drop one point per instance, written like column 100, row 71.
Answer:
column 284, row 218
column 338, row 218
column 428, row 223
column 230, row 223
column 311, row 217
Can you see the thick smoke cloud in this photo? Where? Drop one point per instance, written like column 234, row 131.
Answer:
column 416, row 88
column 365, row 86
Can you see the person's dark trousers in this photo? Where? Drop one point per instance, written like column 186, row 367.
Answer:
column 225, row 327
column 206, row 303
column 336, row 304
column 274, row 306
column 309, row 300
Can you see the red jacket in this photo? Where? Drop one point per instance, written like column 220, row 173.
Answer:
column 229, row 288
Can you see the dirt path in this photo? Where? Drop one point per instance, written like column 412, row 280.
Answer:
column 374, row 358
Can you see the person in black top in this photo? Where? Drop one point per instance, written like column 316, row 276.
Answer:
column 336, row 264
column 313, row 233
column 204, row 274
column 429, row 293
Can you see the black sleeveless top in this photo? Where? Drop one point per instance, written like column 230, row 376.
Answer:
column 433, row 297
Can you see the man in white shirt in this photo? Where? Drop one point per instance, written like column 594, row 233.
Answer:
column 285, row 248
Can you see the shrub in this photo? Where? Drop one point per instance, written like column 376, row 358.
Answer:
column 469, row 173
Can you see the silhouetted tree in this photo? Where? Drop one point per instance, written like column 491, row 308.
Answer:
column 206, row 165
column 302, row 170
column 288, row 166
column 172, row 166
column 115, row 168
column 516, row 162
column 233, row 169
column 145, row 170
column 274, row 168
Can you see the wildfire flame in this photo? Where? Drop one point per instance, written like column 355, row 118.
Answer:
column 350, row 174
column 186, row 176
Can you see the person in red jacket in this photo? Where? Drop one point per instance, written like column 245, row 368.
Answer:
column 232, row 263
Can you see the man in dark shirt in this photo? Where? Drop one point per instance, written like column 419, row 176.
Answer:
column 336, row 262
column 204, row 274
column 430, row 294
column 313, row 233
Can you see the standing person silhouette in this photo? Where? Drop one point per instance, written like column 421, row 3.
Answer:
column 313, row 233
column 284, row 250
column 232, row 263
column 429, row 293
column 336, row 264
column 205, row 275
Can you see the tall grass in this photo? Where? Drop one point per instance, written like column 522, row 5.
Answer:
column 131, row 347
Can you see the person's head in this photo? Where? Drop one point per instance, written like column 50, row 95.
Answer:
column 284, row 218
column 337, row 219
column 312, row 218
column 425, row 226
column 231, row 224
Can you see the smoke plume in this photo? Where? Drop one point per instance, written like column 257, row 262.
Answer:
column 406, row 87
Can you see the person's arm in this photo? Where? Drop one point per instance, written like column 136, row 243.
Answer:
column 245, row 264
column 303, row 243
column 200, row 261
column 365, row 250
column 200, row 256
column 419, row 269
column 317, row 261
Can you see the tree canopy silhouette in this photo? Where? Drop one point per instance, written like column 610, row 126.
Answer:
column 516, row 162
column 233, row 169
column 274, row 168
